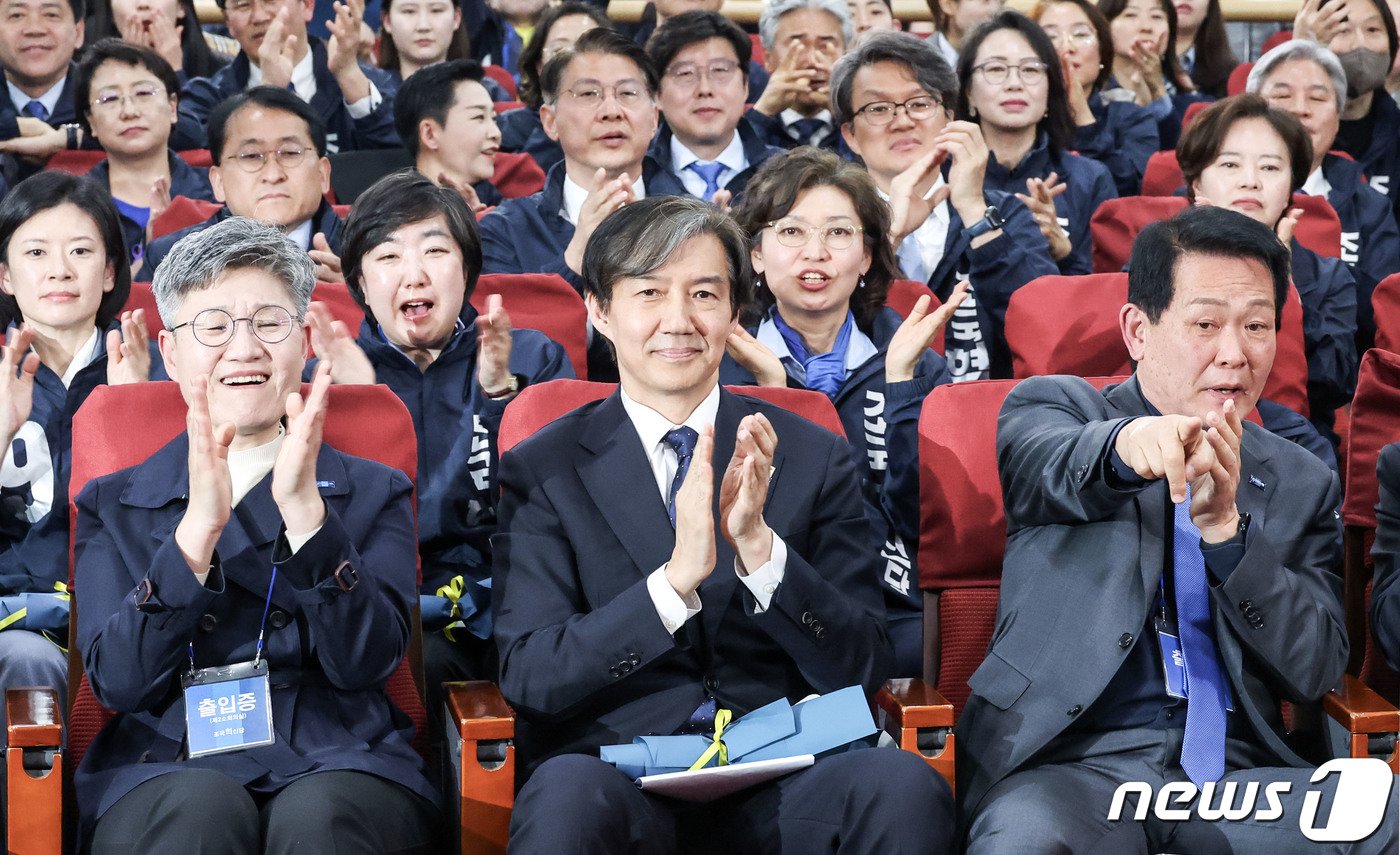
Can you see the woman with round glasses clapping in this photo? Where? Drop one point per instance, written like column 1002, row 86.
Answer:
column 1011, row 84
column 819, row 244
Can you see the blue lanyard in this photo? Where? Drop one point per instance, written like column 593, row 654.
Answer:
column 262, row 627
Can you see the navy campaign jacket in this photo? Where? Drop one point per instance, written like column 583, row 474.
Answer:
column 1122, row 137
column 1328, row 294
column 1370, row 237
column 325, row 221
column 755, row 150
column 1374, row 141
column 521, row 131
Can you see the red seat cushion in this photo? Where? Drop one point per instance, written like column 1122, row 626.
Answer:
column 517, row 175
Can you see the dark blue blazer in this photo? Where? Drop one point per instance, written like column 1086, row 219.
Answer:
column 331, row 651
column 343, row 133
column 586, row 661
column 325, row 221
column 1087, row 182
column 1370, row 237
column 521, row 131
column 1385, row 596
column 1122, row 137
column 1328, row 294
column 185, row 180
column 755, row 150
column 1374, row 140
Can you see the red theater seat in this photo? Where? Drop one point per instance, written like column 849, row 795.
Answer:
column 544, row 302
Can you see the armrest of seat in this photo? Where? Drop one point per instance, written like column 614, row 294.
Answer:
column 483, row 725
column 1372, row 722
column 34, row 772
column 920, row 720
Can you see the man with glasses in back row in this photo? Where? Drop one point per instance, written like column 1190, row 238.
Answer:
column 269, row 151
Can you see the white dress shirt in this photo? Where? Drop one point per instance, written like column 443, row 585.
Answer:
column 1317, row 184
column 921, row 250
column 652, row 428
column 301, row 234
column 304, row 84
column 574, row 196
column 89, row 351
column 732, row 159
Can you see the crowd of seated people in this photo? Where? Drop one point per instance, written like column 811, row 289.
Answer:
column 816, row 201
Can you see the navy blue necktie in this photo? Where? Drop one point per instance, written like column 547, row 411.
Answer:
column 805, row 130
column 709, row 171
column 37, row 109
column 1203, row 744
column 682, row 441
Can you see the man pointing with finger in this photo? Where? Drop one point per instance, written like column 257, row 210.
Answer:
column 1169, row 575
column 675, row 551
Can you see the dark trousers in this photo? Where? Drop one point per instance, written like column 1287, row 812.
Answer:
column 207, row 812
column 863, row 801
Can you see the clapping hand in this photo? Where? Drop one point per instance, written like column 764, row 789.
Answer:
column 604, row 197
column 1039, row 198
column 693, row 557
column 914, row 336
column 17, row 368
column 493, row 346
column 128, row 351
column 294, row 472
column 211, row 488
column 744, row 491
column 332, row 340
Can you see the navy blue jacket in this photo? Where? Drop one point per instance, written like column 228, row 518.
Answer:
column 34, row 500
column 1122, row 137
column 457, row 426
column 755, row 150
column 1328, row 294
column 521, row 131
column 882, row 426
column 331, row 651
column 185, row 180
column 1374, row 141
column 1370, row 237
column 1385, row 597
column 325, row 221
column 343, row 133
column 1087, row 184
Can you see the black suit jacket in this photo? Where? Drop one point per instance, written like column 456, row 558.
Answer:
column 585, row 658
column 1082, row 569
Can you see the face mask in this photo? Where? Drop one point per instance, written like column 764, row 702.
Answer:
column 1365, row 71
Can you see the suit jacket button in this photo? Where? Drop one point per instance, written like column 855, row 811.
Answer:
column 807, row 618
column 711, row 685
column 625, row 666
column 1125, row 640
column 613, row 671
column 635, row 659
column 208, row 622
column 278, row 618
column 1074, row 710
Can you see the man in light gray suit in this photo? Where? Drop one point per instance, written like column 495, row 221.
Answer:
column 1170, row 578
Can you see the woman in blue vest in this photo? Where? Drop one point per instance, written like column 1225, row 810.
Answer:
column 818, row 228
column 1011, row 84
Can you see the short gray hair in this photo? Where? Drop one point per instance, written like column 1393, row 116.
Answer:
column 776, row 9
column 1300, row 49
column 923, row 60
column 201, row 259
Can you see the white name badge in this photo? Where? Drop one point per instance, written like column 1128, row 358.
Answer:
column 227, row 708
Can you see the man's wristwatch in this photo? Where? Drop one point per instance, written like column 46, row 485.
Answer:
column 512, row 386
column 990, row 222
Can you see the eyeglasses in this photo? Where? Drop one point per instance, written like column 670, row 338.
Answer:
column 1070, row 38
column 917, row 108
column 795, row 233
column 142, row 97
column 995, row 72
column 216, row 327
column 687, row 75
column 628, row 94
column 245, row 7
column 254, row 159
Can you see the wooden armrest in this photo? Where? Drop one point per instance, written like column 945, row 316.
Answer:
column 33, row 772
column 921, row 720
column 485, row 724
column 1373, row 722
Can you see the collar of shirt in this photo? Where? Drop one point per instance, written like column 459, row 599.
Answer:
column 788, row 116
column 89, row 351
column 247, row 467
column 946, row 48
column 920, row 251
column 732, row 158
column 303, row 77
column 301, row 235
column 574, row 195
column 1317, row 184
column 858, row 352
column 652, row 428
column 49, row 99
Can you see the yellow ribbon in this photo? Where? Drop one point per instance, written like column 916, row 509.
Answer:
column 452, row 592
column 20, row 615
column 717, row 747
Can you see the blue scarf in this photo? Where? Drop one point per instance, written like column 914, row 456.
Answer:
column 826, row 372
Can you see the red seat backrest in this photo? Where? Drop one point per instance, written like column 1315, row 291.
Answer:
column 1239, row 78
column 1192, row 111
column 121, row 426
column 1068, row 325
column 1117, row 222
column 1385, row 302
column 1163, row 174
column 1319, row 228
column 759, row 55
column 1275, row 40
column 517, row 175
column 537, row 406
column 197, row 157
column 503, row 77
column 75, row 161
column 544, row 302
column 902, row 296
column 183, row 212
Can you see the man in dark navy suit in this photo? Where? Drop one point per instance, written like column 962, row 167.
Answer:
column 675, row 550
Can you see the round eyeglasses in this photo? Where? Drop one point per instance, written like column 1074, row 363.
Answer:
column 254, row 159
column 216, row 327
column 996, row 72
column 917, row 108
column 796, row 234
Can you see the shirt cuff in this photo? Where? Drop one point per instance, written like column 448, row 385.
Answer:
column 297, row 541
column 365, row 105
column 763, row 583
column 672, row 610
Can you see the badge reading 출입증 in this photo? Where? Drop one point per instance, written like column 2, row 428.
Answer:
column 227, row 708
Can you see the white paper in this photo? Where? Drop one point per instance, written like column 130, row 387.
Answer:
column 715, row 782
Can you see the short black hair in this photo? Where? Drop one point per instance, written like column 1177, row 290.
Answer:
column 1057, row 123
column 642, row 237
column 1201, row 230
column 49, row 189
column 122, row 52
column 596, row 40
column 529, row 88
column 429, row 94
column 269, row 98
column 393, row 201
column 688, row 28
